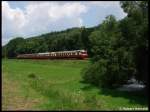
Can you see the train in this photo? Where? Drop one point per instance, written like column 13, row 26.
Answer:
column 75, row 54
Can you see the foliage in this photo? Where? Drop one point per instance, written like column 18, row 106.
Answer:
column 14, row 46
column 135, row 28
column 119, row 48
column 111, row 63
column 70, row 39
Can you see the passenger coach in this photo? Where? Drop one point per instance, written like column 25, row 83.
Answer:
column 76, row 54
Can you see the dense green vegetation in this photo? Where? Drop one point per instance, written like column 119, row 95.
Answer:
column 70, row 39
column 120, row 48
column 57, row 85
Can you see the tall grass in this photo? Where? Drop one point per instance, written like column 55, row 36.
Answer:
column 65, row 100
column 57, row 85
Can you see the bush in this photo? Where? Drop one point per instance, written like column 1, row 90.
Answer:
column 94, row 72
column 113, row 62
column 105, row 73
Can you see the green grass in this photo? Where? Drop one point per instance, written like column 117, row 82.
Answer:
column 56, row 85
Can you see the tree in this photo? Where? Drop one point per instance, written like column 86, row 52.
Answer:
column 120, row 48
column 135, row 28
column 111, row 63
column 13, row 45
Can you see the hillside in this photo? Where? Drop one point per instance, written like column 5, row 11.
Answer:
column 69, row 39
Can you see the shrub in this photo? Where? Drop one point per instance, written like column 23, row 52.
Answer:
column 108, row 73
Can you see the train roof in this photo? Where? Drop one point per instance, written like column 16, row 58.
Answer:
column 43, row 53
column 72, row 51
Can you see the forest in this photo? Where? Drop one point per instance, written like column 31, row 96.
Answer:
column 118, row 49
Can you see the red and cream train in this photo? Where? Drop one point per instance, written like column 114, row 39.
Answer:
column 76, row 54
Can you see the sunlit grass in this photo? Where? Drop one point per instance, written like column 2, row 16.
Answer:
column 56, row 85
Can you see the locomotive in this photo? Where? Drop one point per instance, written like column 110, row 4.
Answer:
column 75, row 54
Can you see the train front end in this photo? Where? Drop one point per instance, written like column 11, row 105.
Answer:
column 83, row 54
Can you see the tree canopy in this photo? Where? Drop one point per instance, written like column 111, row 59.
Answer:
column 120, row 48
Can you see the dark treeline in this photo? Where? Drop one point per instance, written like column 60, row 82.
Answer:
column 118, row 49
column 70, row 39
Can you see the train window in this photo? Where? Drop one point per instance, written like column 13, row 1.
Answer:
column 83, row 52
